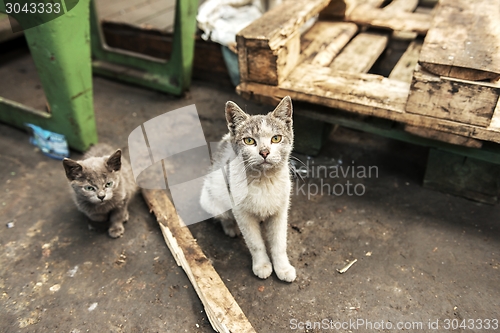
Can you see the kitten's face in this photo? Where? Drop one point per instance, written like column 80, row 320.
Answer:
column 265, row 142
column 95, row 178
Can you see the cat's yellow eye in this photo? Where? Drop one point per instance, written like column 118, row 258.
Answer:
column 276, row 139
column 109, row 184
column 249, row 141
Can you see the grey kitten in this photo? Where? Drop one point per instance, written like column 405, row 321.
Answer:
column 258, row 182
column 102, row 185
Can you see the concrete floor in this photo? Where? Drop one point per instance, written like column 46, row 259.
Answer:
column 423, row 256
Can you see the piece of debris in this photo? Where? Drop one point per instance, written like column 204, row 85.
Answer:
column 92, row 306
column 10, row 225
column 72, row 272
column 435, row 249
column 346, row 267
column 121, row 260
column 368, row 254
column 296, row 228
column 261, row 288
column 55, row 288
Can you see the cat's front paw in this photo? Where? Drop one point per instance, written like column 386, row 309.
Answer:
column 231, row 231
column 286, row 273
column 116, row 231
column 263, row 270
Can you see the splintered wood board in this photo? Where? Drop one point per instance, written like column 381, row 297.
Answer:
column 223, row 312
column 156, row 14
column 397, row 16
column 269, row 48
column 324, row 41
column 403, row 71
column 464, row 40
column 458, row 100
column 361, row 53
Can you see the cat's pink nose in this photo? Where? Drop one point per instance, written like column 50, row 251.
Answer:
column 264, row 153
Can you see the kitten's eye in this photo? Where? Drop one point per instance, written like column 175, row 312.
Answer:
column 276, row 139
column 109, row 184
column 89, row 188
column 249, row 141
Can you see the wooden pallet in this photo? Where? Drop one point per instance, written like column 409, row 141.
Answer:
column 331, row 64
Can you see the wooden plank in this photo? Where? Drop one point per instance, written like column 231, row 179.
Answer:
column 141, row 13
column 163, row 20
column 6, row 30
column 365, row 14
column 495, row 119
column 327, row 40
column 403, row 71
column 273, row 94
column 362, row 93
column 447, row 98
column 223, row 312
column 361, row 53
column 443, row 136
column 398, row 6
column 464, row 40
column 112, row 8
column 275, row 27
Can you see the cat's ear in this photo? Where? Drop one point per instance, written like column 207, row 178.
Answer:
column 73, row 169
column 234, row 116
column 114, row 162
column 284, row 111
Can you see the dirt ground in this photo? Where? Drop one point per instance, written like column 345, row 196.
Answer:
column 426, row 261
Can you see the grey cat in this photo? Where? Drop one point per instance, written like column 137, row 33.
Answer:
column 102, row 185
column 258, row 182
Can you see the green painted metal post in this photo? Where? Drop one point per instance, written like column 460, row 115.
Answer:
column 62, row 55
column 172, row 76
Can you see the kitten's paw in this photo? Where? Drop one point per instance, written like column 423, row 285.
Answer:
column 116, row 231
column 231, row 231
column 263, row 270
column 286, row 273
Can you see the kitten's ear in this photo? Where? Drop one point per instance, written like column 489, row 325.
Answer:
column 284, row 110
column 114, row 162
column 73, row 169
column 234, row 116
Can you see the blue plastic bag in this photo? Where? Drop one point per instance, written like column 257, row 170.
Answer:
column 51, row 144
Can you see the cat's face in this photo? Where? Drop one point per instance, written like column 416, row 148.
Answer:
column 264, row 141
column 94, row 178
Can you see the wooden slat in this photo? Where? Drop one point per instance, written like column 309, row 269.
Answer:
column 464, row 40
column 162, row 20
column 399, row 6
column 361, row 53
column 365, row 14
column 224, row 313
column 462, row 101
column 6, row 30
column 112, row 8
column 327, row 39
column 363, row 93
column 403, row 71
column 140, row 14
column 495, row 120
column 273, row 29
column 272, row 95
column 443, row 136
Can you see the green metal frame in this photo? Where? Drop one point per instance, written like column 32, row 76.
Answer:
column 172, row 76
column 60, row 49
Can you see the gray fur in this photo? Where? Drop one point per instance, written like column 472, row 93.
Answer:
column 258, row 182
column 110, row 176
